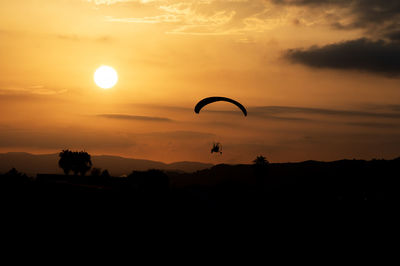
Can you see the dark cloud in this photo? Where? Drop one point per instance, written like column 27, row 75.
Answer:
column 372, row 13
column 282, row 110
column 394, row 107
column 393, row 36
column 292, row 113
column 312, row 2
column 183, row 135
column 135, row 117
column 364, row 13
column 376, row 125
column 361, row 54
column 380, row 21
column 167, row 107
column 382, row 107
column 251, row 113
column 370, row 119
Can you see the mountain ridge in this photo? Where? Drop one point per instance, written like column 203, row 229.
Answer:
column 33, row 164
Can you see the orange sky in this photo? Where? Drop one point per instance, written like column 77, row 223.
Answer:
column 171, row 54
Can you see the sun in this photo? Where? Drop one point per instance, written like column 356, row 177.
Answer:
column 105, row 77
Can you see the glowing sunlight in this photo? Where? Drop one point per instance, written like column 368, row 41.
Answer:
column 105, row 77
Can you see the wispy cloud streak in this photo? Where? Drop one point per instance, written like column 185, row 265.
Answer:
column 280, row 110
column 135, row 117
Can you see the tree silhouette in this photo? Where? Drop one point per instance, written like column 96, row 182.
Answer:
column 77, row 162
column 65, row 161
column 82, row 163
column 260, row 160
column 14, row 177
column 261, row 169
column 95, row 171
column 105, row 174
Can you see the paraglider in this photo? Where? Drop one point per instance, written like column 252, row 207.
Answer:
column 216, row 148
column 209, row 100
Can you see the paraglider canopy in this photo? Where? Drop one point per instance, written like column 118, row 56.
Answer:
column 209, row 100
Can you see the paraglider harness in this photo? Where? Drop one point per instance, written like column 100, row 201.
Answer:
column 216, row 148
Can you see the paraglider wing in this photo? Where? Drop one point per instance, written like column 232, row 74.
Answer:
column 209, row 100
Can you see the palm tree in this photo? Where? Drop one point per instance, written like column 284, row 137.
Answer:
column 260, row 171
column 260, row 160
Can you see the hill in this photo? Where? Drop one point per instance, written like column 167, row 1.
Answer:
column 32, row 164
column 236, row 189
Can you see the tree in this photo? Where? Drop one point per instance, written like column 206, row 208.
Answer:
column 105, row 174
column 261, row 160
column 83, row 163
column 14, row 177
column 95, row 171
column 77, row 162
column 261, row 170
column 65, row 161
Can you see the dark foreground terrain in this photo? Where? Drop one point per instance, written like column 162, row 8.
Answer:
column 272, row 205
column 347, row 184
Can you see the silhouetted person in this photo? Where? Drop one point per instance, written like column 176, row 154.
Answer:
column 216, row 148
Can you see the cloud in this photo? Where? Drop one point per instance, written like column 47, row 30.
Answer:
column 135, row 117
column 376, row 17
column 72, row 138
column 201, row 17
column 255, row 112
column 394, row 107
column 241, row 16
column 376, row 125
column 76, row 38
column 31, row 90
column 282, row 110
column 292, row 113
column 111, row 2
column 180, row 134
column 167, row 18
column 378, row 51
column 393, row 36
column 362, row 54
column 6, row 32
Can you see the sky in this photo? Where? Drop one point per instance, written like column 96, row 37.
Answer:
column 320, row 78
